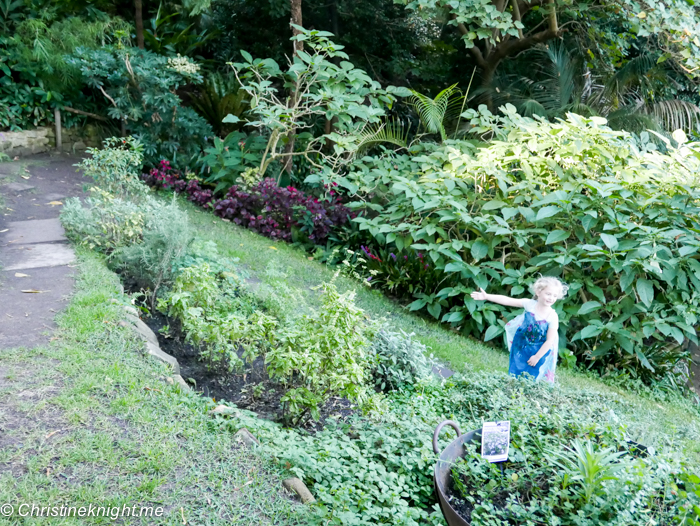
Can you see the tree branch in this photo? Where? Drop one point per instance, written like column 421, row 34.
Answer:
column 87, row 114
column 517, row 17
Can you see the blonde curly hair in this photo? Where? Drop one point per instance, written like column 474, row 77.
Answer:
column 544, row 282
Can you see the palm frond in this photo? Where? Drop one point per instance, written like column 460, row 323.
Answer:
column 675, row 114
column 393, row 132
column 432, row 112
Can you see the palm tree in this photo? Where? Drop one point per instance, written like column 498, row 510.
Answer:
column 562, row 84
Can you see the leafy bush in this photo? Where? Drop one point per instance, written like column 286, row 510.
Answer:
column 115, row 167
column 230, row 157
column 141, row 88
column 609, row 214
column 327, row 85
column 216, row 316
column 397, row 360
column 282, row 213
column 105, row 223
column 321, row 356
column 153, row 261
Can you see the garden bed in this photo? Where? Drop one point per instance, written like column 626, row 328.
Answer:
column 250, row 388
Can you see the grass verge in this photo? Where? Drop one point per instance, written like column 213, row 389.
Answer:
column 89, row 420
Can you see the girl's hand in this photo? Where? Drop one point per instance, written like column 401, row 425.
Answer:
column 479, row 295
column 534, row 359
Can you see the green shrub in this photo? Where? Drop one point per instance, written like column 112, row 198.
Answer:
column 141, row 89
column 397, row 360
column 166, row 236
column 217, row 316
column 116, row 167
column 609, row 214
column 321, row 356
column 105, row 223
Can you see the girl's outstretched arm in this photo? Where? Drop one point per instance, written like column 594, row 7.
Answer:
column 497, row 298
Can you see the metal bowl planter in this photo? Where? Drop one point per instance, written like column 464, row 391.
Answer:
column 443, row 468
column 455, row 450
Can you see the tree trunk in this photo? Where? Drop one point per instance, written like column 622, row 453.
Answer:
column 138, row 18
column 298, row 46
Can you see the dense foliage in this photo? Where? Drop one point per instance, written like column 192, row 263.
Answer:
column 612, row 216
column 141, row 88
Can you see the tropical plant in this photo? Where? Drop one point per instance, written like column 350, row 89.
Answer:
column 217, row 98
column 435, row 114
column 560, row 83
column 492, row 31
column 172, row 34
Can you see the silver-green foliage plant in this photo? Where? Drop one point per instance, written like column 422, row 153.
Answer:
column 610, row 214
column 166, row 236
column 116, row 166
column 322, row 355
column 397, row 360
column 105, row 223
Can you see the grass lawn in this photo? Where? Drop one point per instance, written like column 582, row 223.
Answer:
column 89, row 420
column 649, row 421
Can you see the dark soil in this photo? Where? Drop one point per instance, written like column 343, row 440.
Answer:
column 250, row 389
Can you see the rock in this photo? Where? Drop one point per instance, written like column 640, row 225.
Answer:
column 442, row 372
column 155, row 351
column 169, row 380
column 131, row 310
column 295, row 485
column 179, row 381
column 245, row 437
column 145, row 332
column 80, row 145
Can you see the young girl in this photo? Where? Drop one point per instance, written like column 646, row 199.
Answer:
column 533, row 338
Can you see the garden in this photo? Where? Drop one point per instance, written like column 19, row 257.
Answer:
column 303, row 221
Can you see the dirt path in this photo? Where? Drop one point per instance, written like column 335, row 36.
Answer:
column 34, row 253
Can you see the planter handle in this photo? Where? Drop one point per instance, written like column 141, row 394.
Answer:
column 437, row 433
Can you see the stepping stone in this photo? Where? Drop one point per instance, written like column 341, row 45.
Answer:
column 25, row 318
column 38, row 256
column 442, row 372
column 18, row 187
column 54, row 197
column 35, row 231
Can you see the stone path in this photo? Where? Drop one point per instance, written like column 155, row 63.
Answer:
column 36, row 275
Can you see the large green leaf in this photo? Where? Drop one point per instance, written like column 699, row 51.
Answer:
column 610, row 241
column 556, row 236
column 645, row 289
column 479, row 250
column 587, row 307
column 547, row 211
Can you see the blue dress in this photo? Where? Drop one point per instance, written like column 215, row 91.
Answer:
column 525, row 336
